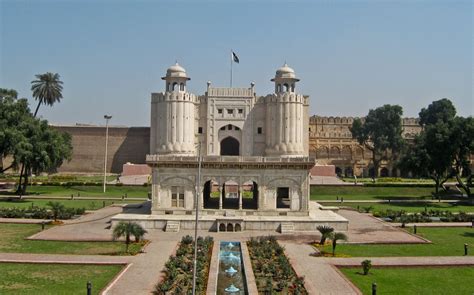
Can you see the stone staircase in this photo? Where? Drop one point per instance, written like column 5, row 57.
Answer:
column 172, row 226
column 287, row 227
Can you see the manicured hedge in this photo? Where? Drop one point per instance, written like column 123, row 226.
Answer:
column 39, row 213
column 424, row 216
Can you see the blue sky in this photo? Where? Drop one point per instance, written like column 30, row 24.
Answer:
column 350, row 55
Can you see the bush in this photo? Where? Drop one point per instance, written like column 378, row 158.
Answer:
column 39, row 213
column 399, row 184
column 366, row 266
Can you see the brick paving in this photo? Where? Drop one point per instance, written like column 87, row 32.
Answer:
column 320, row 277
column 24, row 220
column 89, row 227
column 62, row 258
column 364, row 228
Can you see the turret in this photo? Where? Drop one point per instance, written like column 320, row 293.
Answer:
column 172, row 116
column 285, row 115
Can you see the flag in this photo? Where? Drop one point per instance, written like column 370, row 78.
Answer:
column 235, row 57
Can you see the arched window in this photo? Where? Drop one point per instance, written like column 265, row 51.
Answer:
column 285, row 87
column 174, row 86
column 293, row 87
column 181, row 87
column 279, row 88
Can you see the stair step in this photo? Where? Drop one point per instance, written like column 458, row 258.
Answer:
column 172, row 226
column 287, row 227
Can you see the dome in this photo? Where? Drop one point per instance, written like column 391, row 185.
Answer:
column 285, row 72
column 176, row 71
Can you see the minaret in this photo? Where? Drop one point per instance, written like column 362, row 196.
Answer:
column 285, row 115
column 172, row 116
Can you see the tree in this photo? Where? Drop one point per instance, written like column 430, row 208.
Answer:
column 4, row 93
column 127, row 229
column 336, row 237
column 13, row 112
column 57, row 209
column 47, row 89
column 462, row 139
column 444, row 146
column 325, row 233
column 42, row 148
column 428, row 155
column 441, row 110
column 381, row 133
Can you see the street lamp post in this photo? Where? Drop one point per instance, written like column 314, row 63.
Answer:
column 198, row 190
column 107, row 118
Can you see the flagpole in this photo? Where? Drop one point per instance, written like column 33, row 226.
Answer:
column 231, row 62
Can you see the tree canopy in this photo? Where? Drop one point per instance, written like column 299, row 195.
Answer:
column 380, row 131
column 30, row 141
column 47, row 89
column 444, row 146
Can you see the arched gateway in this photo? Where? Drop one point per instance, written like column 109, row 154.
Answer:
column 230, row 147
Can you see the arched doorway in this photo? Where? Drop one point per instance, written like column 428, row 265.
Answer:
column 230, row 146
column 230, row 195
column 211, row 195
column 250, row 195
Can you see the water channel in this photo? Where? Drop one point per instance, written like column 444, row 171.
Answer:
column 231, row 276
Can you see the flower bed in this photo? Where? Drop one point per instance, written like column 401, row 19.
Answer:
column 272, row 269
column 179, row 268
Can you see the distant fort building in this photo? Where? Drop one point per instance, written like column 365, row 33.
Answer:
column 330, row 142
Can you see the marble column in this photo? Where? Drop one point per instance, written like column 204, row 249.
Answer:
column 240, row 197
column 220, row 196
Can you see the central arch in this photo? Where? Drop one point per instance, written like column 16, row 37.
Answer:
column 230, row 146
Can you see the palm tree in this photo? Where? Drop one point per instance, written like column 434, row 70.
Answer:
column 47, row 89
column 325, row 233
column 127, row 229
column 335, row 237
column 57, row 209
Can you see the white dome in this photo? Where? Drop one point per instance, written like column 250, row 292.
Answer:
column 285, row 69
column 176, row 71
column 285, row 72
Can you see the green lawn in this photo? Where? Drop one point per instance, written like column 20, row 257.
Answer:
column 87, row 204
column 30, row 278
column 12, row 240
column 408, row 207
column 446, row 242
column 89, row 191
column 414, row 280
column 369, row 193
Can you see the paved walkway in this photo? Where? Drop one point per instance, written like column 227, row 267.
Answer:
column 323, row 277
column 89, row 227
column 24, row 220
column 364, row 228
column 146, row 269
column 327, row 180
column 320, row 277
column 62, row 258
